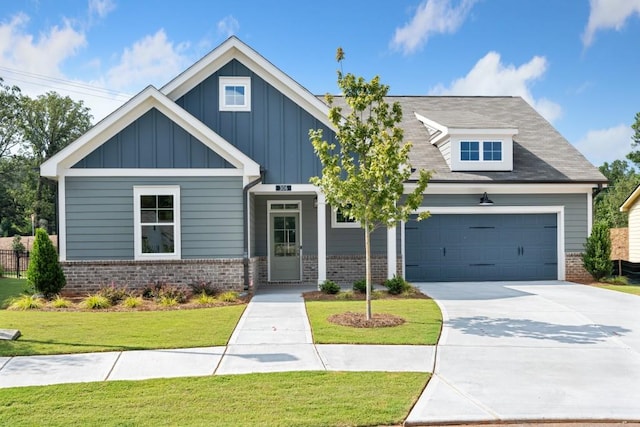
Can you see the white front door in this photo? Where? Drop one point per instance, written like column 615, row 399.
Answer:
column 285, row 242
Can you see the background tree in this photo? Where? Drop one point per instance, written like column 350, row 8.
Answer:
column 10, row 110
column 44, row 271
column 49, row 123
column 634, row 156
column 365, row 176
column 597, row 254
column 623, row 179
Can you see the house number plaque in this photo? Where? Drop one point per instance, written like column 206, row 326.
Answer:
column 283, row 187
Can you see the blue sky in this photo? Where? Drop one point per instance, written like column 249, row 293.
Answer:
column 575, row 61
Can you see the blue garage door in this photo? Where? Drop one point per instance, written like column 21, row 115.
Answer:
column 482, row 247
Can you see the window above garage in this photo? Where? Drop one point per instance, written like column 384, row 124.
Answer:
column 472, row 148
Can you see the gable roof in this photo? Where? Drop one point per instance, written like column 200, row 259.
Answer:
column 631, row 200
column 540, row 153
column 144, row 101
column 233, row 48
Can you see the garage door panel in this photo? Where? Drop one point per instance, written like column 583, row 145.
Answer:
column 482, row 247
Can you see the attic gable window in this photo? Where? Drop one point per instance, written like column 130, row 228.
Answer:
column 235, row 93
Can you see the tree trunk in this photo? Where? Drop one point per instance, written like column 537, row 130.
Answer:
column 367, row 250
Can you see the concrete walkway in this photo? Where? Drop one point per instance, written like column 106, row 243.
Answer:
column 273, row 335
column 533, row 351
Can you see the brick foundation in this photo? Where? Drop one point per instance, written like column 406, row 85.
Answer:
column 89, row 276
column 574, row 269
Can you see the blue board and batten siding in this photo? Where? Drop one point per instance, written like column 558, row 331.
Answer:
column 153, row 141
column 275, row 133
column 99, row 216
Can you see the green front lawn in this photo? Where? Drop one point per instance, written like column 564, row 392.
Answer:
column 629, row 289
column 422, row 326
column 281, row 399
column 10, row 288
column 50, row 332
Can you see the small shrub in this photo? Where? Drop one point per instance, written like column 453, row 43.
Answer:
column 360, row 286
column 132, row 302
column 348, row 295
column 330, row 287
column 597, row 252
column 229, row 296
column 618, row 280
column 198, row 288
column 44, row 271
column 377, row 294
column 113, row 293
column 397, row 285
column 168, row 301
column 27, row 302
column 96, row 302
column 160, row 291
column 204, row 299
column 60, row 302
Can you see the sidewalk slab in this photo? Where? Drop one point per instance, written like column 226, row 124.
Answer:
column 246, row 359
column 58, row 369
column 386, row 358
column 168, row 363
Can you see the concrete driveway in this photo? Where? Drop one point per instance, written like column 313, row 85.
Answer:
column 533, row 351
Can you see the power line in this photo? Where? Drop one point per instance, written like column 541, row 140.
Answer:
column 107, row 93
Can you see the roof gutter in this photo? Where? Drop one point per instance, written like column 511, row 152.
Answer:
column 245, row 227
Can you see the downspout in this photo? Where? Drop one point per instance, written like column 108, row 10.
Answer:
column 245, row 227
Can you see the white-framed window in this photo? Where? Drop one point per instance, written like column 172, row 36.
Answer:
column 339, row 220
column 156, row 216
column 470, row 151
column 235, row 93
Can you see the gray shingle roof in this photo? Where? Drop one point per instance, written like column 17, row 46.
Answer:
column 540, row 153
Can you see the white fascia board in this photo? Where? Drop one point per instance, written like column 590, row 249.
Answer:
column 107, row 172
column 631, row 200
column 61, row 163
column 483, row 131
column 503, row 188
column 233, row 48
column 295, row 189
column 444, row 131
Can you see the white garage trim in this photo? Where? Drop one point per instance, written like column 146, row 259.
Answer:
column 489, row 210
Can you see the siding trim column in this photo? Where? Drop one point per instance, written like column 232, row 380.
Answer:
column 62, row 219
column 589, row 212
column 391, row 252
column 322, row 238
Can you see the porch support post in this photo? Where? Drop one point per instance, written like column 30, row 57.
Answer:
column 391, row 252
column 322, row 238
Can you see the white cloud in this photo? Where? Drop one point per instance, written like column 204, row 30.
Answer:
column 101, row 8
column 607, row 14
column 606, row 145
column 431, row 17
column 21, row 51
column 151, row 60
column 490, row 77
column 228, row 26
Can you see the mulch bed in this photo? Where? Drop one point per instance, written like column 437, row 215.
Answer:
column 359, row 320
column 359, row 296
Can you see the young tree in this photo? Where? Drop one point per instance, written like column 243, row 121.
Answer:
column 597, row 255
column 50, row 123
column 44, row 271
column 365, row 176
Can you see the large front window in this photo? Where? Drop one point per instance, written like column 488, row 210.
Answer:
column 157, row 225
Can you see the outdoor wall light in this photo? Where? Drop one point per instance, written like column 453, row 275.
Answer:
column 485, row 201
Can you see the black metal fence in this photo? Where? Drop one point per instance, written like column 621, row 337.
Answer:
column 14, row 263
column 629, row 269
